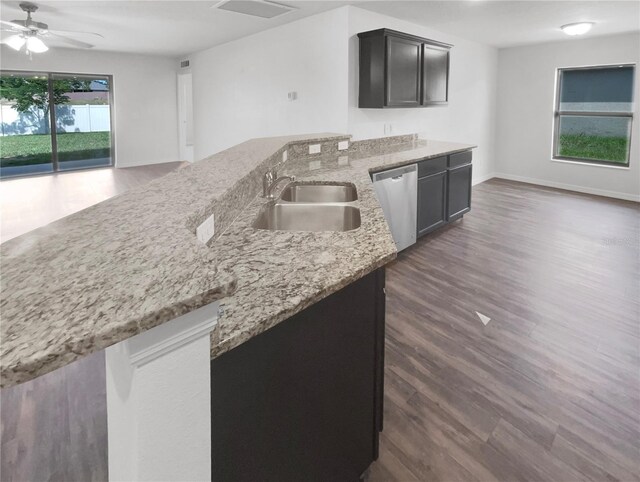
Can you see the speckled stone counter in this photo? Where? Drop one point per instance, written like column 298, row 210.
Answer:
column 133, row 262
column 280, row 273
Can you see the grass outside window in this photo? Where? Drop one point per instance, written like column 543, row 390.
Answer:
column 596, row 148
column 23, row 150
column 594, row 114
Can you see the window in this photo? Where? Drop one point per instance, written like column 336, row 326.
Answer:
column 54, row 122
column 594, row 112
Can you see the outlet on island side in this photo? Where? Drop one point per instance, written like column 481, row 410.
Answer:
column 206, row 230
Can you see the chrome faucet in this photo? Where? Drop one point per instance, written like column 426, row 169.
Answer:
column 271, row 180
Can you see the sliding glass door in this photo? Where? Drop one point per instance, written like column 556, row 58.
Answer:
column 83, row 121
column 25, row 145
column 79, row 108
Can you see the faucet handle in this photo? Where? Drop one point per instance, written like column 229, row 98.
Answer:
column 267, row 180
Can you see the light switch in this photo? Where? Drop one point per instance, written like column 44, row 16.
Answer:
column 206, row 230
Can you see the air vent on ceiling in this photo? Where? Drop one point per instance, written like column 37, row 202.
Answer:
column 184, row 64
column 255, row 8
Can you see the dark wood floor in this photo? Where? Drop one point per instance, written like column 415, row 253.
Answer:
column 549, row 389
column 54, row 428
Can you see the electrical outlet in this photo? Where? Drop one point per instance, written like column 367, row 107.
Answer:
column 206, row 230
column 285, row 156
column 343, row 145
column 292, row 95
column 315, row 148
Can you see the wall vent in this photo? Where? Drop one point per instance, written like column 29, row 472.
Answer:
column 184, row 64
column 255, row 8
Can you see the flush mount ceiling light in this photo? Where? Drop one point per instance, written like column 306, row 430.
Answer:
column 255, row 8
column 578, row 28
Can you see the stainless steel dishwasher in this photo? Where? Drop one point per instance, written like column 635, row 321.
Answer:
column 397, row 191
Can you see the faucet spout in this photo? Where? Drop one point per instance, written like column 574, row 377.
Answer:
column 269, row 193
column 270, row 180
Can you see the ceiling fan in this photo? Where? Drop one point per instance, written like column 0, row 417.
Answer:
column 29, row 33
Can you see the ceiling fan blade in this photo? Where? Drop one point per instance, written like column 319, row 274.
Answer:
column 71, row 41
column 14, row 25
column 74, row 32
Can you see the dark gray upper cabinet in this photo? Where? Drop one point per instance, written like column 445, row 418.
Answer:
column 435, row 89
column 402, row 70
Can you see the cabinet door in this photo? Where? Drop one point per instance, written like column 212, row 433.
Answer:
column 302, row 401
column 435, row 89
column 459, row 192
column 431, row 202
column 404, row 72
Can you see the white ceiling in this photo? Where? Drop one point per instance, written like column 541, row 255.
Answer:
column 162, row 27
column 177, row 28
column 511, row 23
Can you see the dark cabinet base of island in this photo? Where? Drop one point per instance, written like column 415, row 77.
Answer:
column 303, row 400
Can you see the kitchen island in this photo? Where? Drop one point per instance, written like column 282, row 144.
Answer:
column 143, row 266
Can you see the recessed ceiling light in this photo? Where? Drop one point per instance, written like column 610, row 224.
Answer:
column 579, row 28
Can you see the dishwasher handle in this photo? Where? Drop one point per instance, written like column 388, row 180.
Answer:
column 394, row 174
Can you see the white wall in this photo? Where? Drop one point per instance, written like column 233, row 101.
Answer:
column 240, row 88
column 144, row 88
column 469, row 116
column 526, row 90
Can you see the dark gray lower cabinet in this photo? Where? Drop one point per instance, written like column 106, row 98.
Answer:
column 459, row 192
column 432, row 202
column 303, row 400
column 444, row 190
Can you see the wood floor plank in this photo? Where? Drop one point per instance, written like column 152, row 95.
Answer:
column 585, row 460
column 533, row 460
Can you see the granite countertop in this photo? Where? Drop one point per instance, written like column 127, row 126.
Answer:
column 133, row 262
column 280, row 273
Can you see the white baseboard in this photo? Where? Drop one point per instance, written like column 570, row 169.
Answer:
column 568, row 187
column 483, row 178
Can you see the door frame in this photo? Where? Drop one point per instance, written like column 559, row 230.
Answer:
column 184, row 84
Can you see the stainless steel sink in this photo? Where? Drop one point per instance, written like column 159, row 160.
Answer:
column 307, row 217
column 301, row 192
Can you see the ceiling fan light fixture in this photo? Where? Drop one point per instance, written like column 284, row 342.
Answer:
column 35, row 45
column 15, row 42
column 579, row 28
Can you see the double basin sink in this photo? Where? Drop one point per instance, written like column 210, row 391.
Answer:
column 309, row 206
